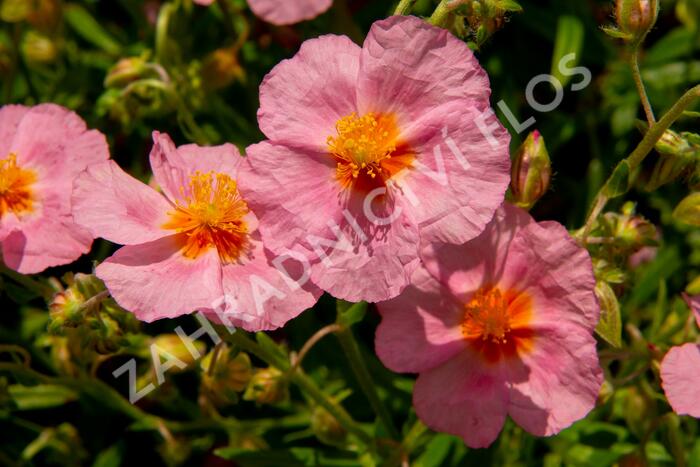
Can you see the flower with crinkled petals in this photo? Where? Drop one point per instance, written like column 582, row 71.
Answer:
column 193, row 247
column 372, row 150
column 502, row 325
column 42, row 150
column 680, row 371
column 283, row 12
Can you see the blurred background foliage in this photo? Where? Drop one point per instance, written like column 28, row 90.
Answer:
column 130, row 66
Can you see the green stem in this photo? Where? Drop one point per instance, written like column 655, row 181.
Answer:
column 364, row 378
column 644, row 147
column 416, row 431
column 637, row 75
column 305, row 383
column 404, row 7
column 408, row 445
column 440, row 14
column 162, row 25
column 35, row 286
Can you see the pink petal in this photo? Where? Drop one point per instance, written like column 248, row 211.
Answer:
column 204, row 2
column 680, row 378
column 289, row 191
column 300, row 206
column 154, row 281
column 463, row 397
column 546, row 262
column 114, row 205
column 46, row 241
column 283, row 12
column 258, row 296
column 173, row 166
column 60, row 151
column 465, row 268
column 10, row 118
column 557, row 382
column 56, row 145
column 372, row 268
column 459, row 176
column 412, row 68
column 302, row 98
column 421, row 328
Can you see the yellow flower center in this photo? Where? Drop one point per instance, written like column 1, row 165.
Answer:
column 211, row 216
column 15, row 187
column 367, row 150
column 486, row 316
column 497, row 323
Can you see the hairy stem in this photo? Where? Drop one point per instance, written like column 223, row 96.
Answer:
column 305, row 383
column 637, row 75
column 641, row 151
column 364, row 378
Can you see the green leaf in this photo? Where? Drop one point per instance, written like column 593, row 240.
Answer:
column 610, row 324
column 619, row 181
column 82, row 22
column 569, row 40
column 353, row 314
column 510, row 5
column 42, row 396
column 110, row 457
column 616, row 33
column 688, row 210
column 436, row 451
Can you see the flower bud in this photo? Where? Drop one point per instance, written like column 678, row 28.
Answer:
column 267, row 386
column 327, row 428
column 38, row 48
column 688, row 210
column 629, row 230
column 174, row 346
column 678, row 153
column 636, row 17
column 125, row 71
column 229, row 375
column 531, row 171
column 221, row 68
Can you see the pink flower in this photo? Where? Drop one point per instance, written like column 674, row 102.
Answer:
column 42, row 150
column 371, row 150
column 283, row 12
column 502, row 325
column 195, row 246
column 680, row 371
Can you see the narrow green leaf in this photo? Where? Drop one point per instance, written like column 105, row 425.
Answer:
column 610, row 324
column 568, row 40
column 353, row 314
column 82, row 22
column 619, row 181
column 42, row 396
